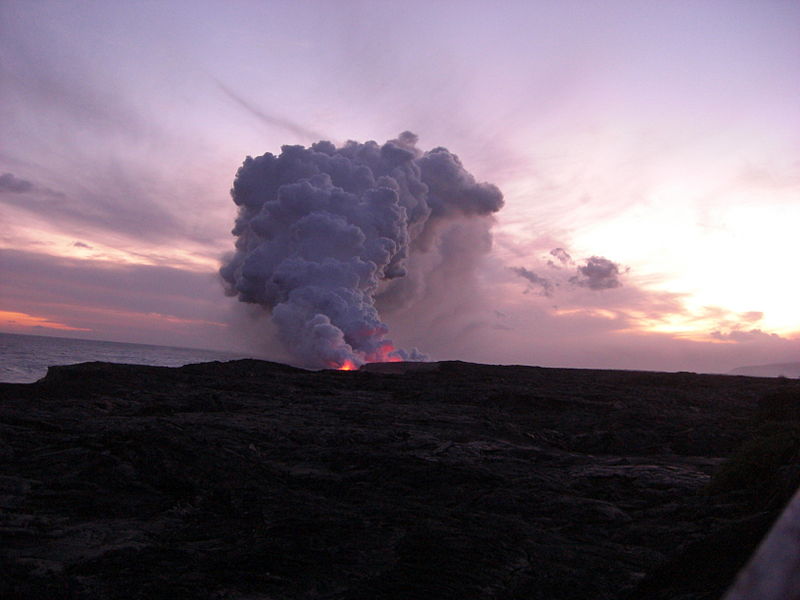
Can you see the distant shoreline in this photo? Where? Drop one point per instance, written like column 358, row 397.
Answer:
column 26, row 358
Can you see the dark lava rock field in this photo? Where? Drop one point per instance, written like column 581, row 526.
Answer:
column 258, row 481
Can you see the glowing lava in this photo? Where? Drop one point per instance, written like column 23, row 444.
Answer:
column 385, row 353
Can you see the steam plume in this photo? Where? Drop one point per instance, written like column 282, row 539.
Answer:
column 319, row 229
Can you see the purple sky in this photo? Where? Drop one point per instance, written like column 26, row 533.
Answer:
column 659, row 137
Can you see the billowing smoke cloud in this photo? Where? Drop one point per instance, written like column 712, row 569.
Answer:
column 598, row 274
column 320, row 229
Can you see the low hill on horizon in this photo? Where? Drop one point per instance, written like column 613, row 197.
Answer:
column 771, row 370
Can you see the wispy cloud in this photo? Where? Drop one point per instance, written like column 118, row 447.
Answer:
column 32, row 277
column 272, row 120
column 11, row 184
column 14, row 185
column 562, row 255
column 545, row 286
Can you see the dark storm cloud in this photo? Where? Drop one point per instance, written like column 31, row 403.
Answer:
column 321, row 229
column 545, row 285
column 598, row 274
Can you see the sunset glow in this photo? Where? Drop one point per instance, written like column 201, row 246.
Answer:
column 17, row 321
column 646, row 154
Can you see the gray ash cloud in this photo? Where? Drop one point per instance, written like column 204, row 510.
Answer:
column 320, row 230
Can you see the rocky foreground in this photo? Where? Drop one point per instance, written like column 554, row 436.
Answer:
column 253, row 480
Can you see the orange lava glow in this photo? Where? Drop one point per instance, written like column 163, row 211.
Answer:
column 384, row 354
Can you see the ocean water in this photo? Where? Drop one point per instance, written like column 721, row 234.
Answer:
column 25, row 358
